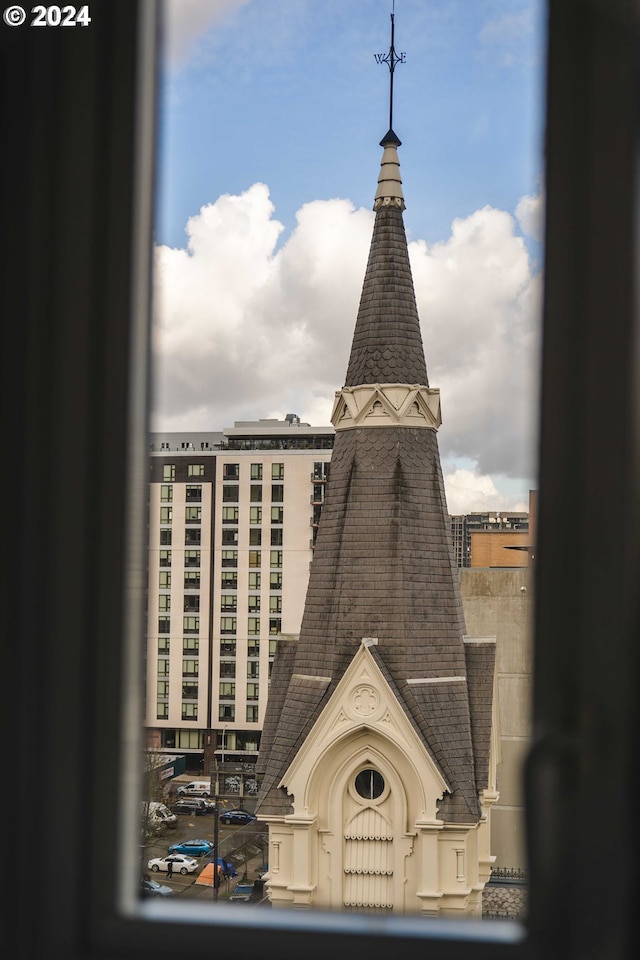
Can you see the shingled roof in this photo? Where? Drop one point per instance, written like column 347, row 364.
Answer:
column 383, row 564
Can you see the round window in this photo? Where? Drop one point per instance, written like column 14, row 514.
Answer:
column 369, row 784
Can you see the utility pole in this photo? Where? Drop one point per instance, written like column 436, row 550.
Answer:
column 215, row 783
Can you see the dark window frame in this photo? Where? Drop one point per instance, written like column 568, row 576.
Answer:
column 583, row 686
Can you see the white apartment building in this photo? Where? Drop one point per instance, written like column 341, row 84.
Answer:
column 232, row 520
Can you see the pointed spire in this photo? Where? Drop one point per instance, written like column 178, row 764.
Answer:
column 389, row 181
column 387, row 342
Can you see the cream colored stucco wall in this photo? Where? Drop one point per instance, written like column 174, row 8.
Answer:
column 498, row 602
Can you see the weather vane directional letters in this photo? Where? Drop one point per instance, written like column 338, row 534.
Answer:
column 391, row 59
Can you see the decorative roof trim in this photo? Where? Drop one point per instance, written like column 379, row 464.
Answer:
column 308, row 676
column 438, row 680
column 387, row 405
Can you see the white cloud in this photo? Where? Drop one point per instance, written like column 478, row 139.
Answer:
column 186, row 22
column 468, row 491
column 530, row 215
column 246, row 329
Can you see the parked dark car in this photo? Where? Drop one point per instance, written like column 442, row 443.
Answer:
column 247, row 892
column 151, row 888
column 193, row 807
column 243, row 893
column 237, row 816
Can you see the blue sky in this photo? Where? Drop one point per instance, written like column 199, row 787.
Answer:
column 287, row 94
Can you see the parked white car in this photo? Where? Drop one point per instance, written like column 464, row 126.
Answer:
column 197, row 788
column 180, row 864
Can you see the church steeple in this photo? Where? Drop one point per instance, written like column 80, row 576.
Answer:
column 383, row 597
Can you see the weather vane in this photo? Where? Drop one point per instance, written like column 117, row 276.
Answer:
column 391, row 59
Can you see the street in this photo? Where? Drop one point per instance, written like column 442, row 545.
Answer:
column 244, row 846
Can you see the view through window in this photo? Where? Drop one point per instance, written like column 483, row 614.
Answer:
column 281, row 127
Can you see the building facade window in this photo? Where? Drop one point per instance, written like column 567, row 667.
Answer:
column 231, row 471
column 164, row 624
column 229, row 602
column 275, row 625
column 164, row 645
column 164, row 602
column 253, row 691
column 229, row 558
column 229, row 580
column 169, row 472
column 227, row 647
column 255, row 514
column 272, row 647
column 275, row 603
column 163, row 689
column 163, row 667
column 227, row 668
column 192, row 558
column 195, row 470
column 275, row 558
column 192, row 580
column 254, row 579
column 255, row 537
column 192, row 537
column 255, row 558
column 253, row 711
column 166, row 514
column 253, row 670
column 229, row 537
column 190, row 668
column 162, row 710
column 227, row 690
column 227, row 711
column 193, row 493
column 277, row 493
column 192, row 603
column 276, row 537
column 164, row 558
column 320, row 470
column 164, row 579
column 189, row 711
column 277, row 471
column 193, row 514
column 230, row 514
column 189, row 691
column 191, row 645
column 255, row 493
column 275, row 580
column 253, row 604
column 166, row 493
column 191, row 624
column 253, row 626
column 253, row 647
column 256, row 471
column 230, row 493
column 277, row 514
column 228, row 625
column 165, row 538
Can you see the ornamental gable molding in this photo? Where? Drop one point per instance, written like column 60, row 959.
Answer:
column 387, row 405
column 362, row 704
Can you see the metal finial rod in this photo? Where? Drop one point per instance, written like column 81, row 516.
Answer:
column 391, row 59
